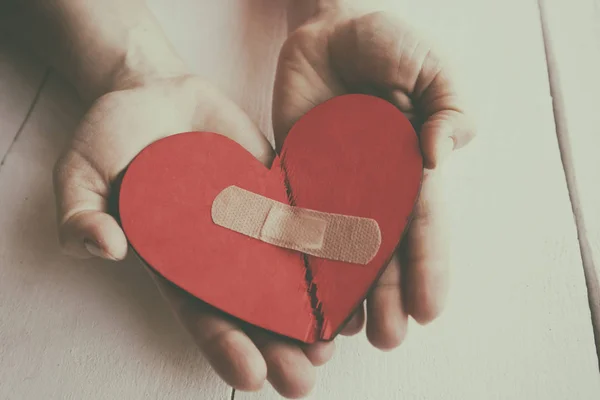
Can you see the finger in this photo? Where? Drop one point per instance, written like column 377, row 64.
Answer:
column 356, row 323
column 387, row 320
column 303, row 80
column 85, row 229
column 425, row 253
column 227, row 348
column 83, row 176
column 93, row 233
column 319, row 353
column 446, row 127
column 383, row 54
column 290, row 372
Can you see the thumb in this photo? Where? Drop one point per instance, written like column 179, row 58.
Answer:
column 85, row 227
column 442, row 133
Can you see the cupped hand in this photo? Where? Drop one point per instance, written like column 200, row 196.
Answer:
column 116, row 128
column 338, row 51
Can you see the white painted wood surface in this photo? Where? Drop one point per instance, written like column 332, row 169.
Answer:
column 20, row 77
column 573, row 42
column 517, row 325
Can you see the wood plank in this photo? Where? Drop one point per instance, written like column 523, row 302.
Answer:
column 517, row 324
column 20, row 78
column 572, row 33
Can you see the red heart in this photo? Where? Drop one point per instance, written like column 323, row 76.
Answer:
column 353, row 155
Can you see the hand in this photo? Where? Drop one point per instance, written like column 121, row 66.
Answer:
column 338, row 52
column 116, row 128
column 115, row 51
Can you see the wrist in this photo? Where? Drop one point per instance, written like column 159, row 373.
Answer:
column 137, row 54
column 98, row 46
column 145, row 55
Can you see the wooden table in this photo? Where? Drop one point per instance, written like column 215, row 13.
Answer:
column 525, row 197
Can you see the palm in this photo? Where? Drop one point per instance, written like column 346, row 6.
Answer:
column 333, row 55
column 117, row 127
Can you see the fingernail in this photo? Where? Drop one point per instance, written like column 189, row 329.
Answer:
column 444, row 150
column 95, row 250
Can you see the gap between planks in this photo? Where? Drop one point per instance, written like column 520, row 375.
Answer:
column 26, row 118
column 566, row 153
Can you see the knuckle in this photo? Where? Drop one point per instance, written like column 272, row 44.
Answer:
column 300, row 40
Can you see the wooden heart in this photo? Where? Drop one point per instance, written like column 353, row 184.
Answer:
column 354, row 155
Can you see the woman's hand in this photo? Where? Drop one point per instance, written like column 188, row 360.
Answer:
column 117, row 127
column 116, row 56
column 339, row 51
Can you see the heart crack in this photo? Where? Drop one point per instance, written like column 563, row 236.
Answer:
column 315, row 303
column 311, row 286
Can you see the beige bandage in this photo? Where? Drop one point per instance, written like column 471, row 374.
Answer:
column 331, row 236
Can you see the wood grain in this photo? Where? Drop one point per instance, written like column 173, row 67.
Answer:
column 573, row 50
column 20, row 78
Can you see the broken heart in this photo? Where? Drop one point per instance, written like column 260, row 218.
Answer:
column 354, row 156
